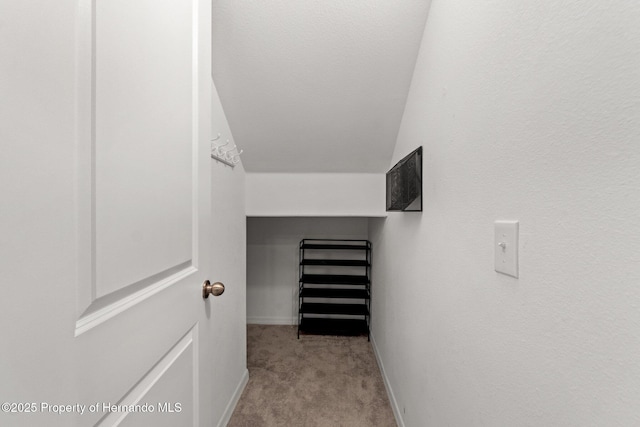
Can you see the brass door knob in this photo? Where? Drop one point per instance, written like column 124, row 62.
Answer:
column 208, row 289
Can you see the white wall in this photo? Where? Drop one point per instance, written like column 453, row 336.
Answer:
column 272, row 261
column 228, row 238
column 315, row 194
column 526, row 111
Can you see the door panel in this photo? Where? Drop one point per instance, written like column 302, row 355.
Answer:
column 106, row 212
column 143, row 140
column 166, row 396
column 144, row 73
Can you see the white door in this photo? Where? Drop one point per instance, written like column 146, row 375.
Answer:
column 105, row 201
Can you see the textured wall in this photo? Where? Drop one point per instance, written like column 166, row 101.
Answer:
column 313, row 194
column 526, row 111
column 272, row 261
column 228, row 239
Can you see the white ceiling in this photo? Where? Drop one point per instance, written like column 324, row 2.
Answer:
column 315, row 85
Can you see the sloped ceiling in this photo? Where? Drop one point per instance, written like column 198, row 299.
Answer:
column 315, row 85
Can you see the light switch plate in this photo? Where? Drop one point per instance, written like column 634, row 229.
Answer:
column 506, row 247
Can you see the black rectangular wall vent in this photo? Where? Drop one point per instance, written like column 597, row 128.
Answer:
column 404, row 184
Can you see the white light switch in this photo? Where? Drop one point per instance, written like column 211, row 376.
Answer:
column 506, row 247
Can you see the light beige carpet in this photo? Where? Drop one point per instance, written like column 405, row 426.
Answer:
column 315, row 381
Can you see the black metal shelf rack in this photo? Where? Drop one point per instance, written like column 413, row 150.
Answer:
column 334, row 287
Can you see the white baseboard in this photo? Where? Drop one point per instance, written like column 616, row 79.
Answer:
column 392, row 398
column 231, row 406
column 272, row 321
